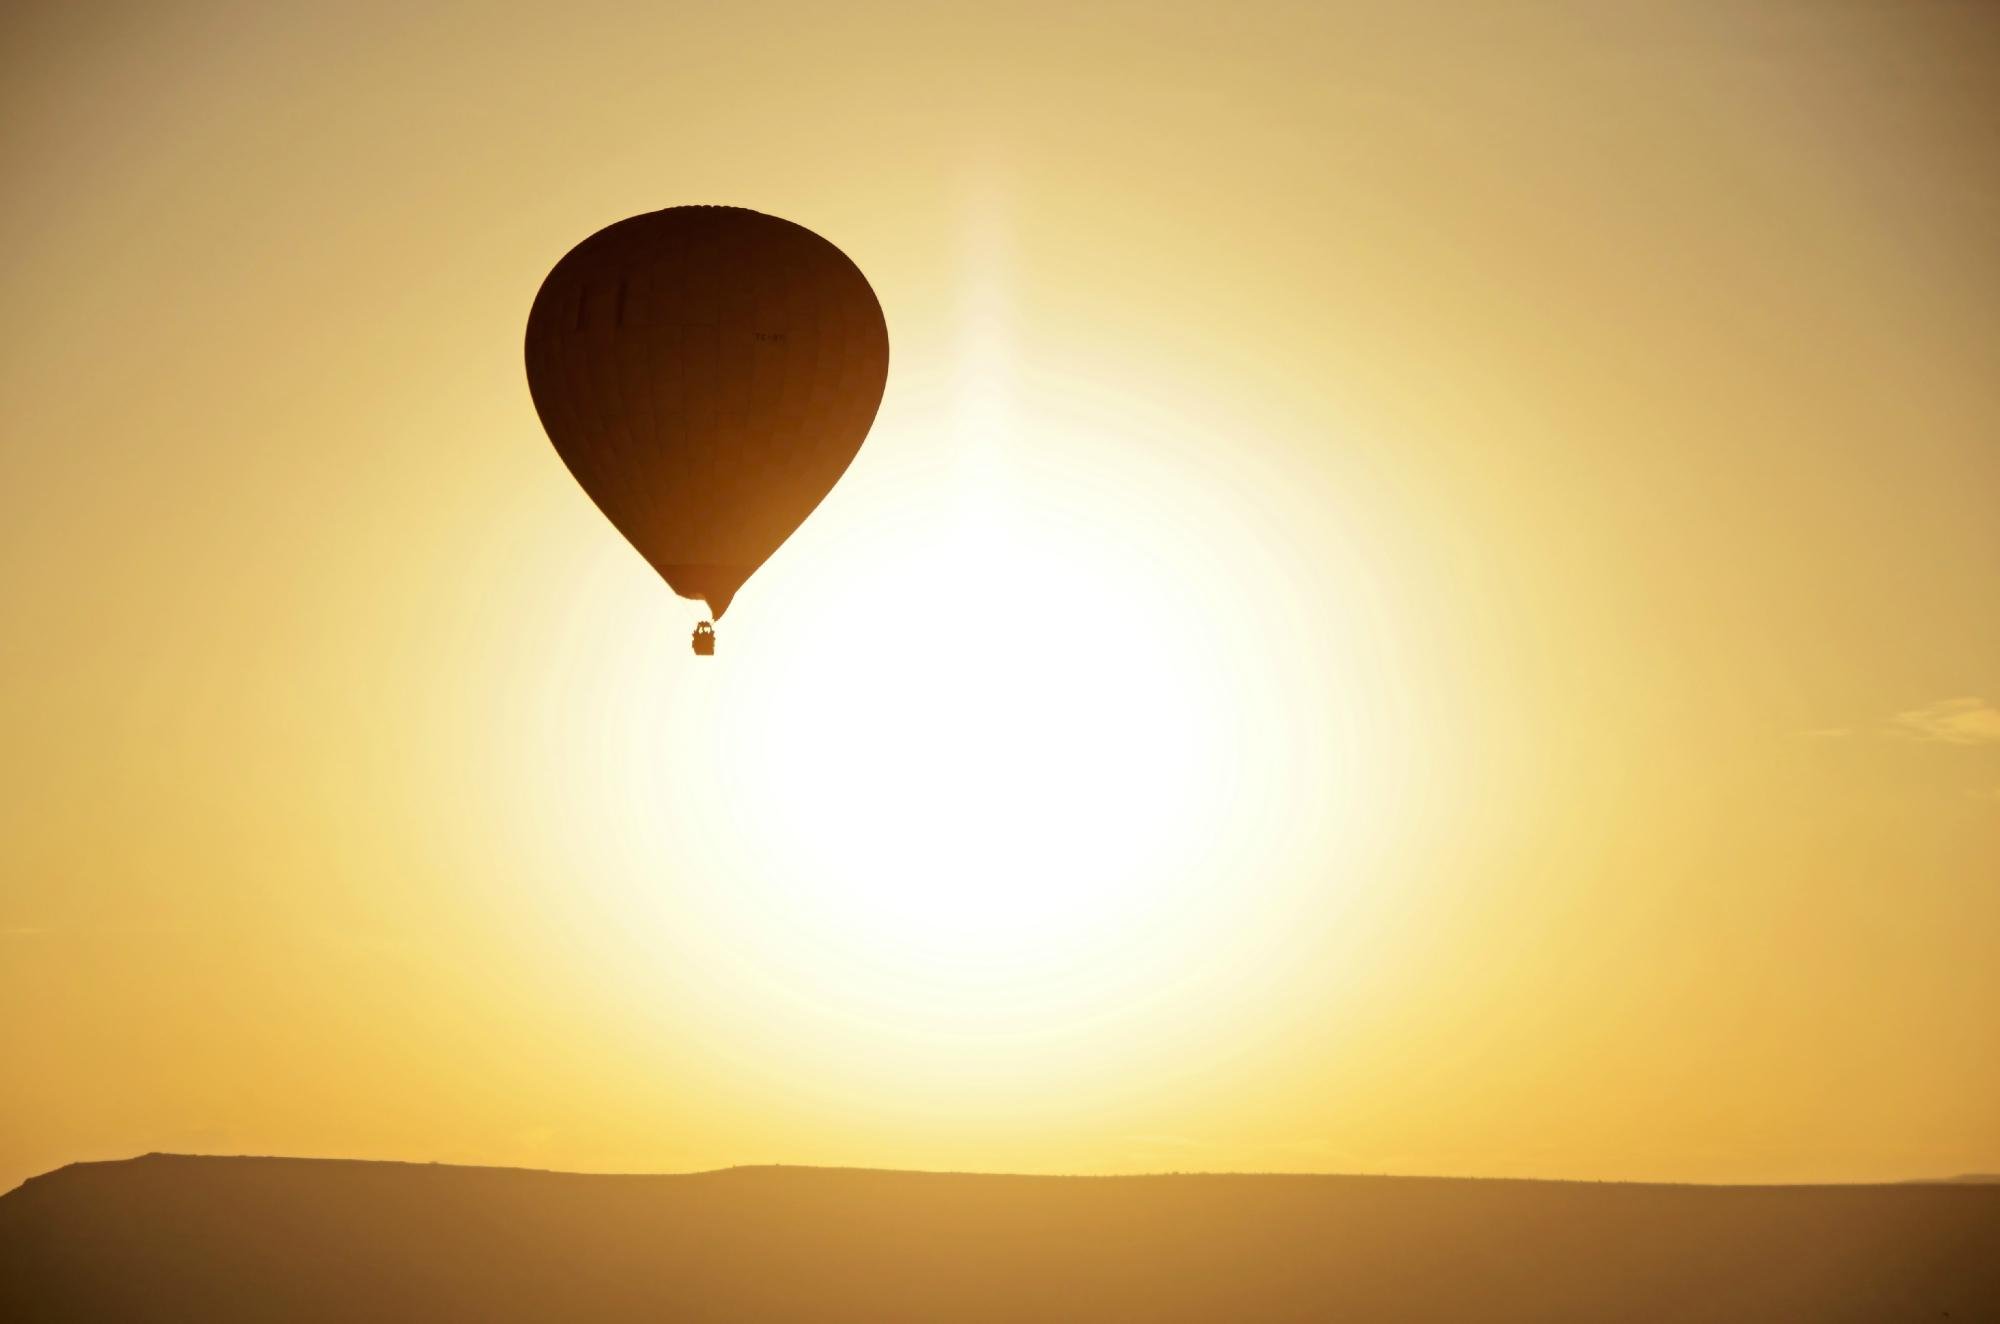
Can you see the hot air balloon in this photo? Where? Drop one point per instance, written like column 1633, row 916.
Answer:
column 707, row 374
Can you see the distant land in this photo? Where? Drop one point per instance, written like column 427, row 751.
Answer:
column 224, row 1239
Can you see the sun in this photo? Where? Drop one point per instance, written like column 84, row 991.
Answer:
column 996, row 772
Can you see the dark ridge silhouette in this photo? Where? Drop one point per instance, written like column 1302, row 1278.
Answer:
column 218, row 1239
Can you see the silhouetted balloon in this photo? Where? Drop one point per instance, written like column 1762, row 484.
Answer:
column 707, row 373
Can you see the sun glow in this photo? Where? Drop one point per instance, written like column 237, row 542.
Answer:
column 993, row 770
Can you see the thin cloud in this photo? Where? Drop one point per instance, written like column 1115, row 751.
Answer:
column 1965, row 721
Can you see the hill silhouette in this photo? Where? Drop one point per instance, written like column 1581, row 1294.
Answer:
column 177, row 1237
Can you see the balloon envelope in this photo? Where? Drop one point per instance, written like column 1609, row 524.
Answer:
column 707, row 373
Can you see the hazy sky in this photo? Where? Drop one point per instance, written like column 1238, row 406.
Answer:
column 1422, row 598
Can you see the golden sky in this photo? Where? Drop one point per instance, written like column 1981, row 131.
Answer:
column 1421, row 598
